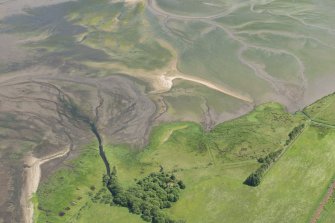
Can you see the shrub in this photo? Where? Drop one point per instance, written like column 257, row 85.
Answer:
column 294, row 133
column 149, row 195
column 255, row 178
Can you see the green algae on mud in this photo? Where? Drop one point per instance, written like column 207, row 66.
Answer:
column 233, row 43
column 121, row 32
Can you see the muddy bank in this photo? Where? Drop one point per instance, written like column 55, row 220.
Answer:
column 32, row 174
column 37, row 116
column 101, row 149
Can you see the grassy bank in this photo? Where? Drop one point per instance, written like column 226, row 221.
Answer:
column 213, row 166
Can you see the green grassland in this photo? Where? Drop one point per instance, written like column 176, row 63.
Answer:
column 256, row 134
column 328, row 214
column 323, row 110
column 285, row 195
column 105, row 214
column 213, row 166
column 69, row 189
column 322, row 114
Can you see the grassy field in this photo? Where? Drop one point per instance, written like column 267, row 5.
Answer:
column 328, row 215
column 69, row 187
column 254, row 135
column 285, row 194
column 107, row 214
column 213, row 166
column 322, row 113
column 323, row 110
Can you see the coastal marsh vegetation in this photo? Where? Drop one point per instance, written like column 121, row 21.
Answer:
column 213, row 165
column 323, row 110
column 67, row 190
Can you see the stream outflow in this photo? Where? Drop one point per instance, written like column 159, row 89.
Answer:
column 101, row 148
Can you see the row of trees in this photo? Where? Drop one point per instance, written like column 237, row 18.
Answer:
column 151, row 194
column 294, row 133
column 254, row 179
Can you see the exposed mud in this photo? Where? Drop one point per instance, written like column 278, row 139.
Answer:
column 33, row 165
column 162, row 80
column 49, row 113
column 9, row 7
column 283, row 94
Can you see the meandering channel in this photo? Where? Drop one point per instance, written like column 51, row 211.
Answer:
column 101, row 147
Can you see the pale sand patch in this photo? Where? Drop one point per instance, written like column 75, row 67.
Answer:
column 162, row 79
column 165, row 83
column 32, row 180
